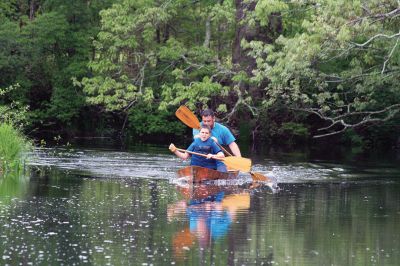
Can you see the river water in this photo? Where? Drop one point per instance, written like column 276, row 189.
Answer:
column 107, row 207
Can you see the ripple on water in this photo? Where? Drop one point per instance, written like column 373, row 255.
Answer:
column 153, row 165
column 112, row 164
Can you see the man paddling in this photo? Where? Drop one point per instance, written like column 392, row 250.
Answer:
column 219, row 132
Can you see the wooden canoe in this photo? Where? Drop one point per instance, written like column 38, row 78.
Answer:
column 198, row 174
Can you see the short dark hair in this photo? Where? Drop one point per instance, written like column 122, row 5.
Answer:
column 206, row 127
column 208, row 112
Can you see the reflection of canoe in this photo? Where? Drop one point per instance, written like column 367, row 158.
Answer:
column 196, row 193
column 202, row 192
column 198, row 174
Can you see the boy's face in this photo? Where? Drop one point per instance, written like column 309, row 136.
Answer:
column 208, row 121
column 204, row 134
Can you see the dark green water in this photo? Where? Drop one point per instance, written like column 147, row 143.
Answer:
column 102, row 207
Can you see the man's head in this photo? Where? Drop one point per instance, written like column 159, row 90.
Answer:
column 208, row 118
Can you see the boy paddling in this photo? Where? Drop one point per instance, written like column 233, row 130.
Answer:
column 205, row 145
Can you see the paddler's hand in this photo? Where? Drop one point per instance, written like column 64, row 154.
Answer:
column 214, row 139
column 172, row 148
column 210, row 156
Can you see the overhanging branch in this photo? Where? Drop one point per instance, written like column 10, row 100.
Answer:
column 360, row 118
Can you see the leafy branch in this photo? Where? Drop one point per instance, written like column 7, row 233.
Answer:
column 368, row 117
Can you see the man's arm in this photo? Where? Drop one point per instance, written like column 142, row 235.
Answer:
column 235, row 149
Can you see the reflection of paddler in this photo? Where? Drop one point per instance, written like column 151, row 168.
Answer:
column 210, row 216
column 208, row 219
column 235, row 202
column 209, row 198
column 182, row 241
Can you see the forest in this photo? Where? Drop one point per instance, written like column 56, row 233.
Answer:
column 284, row 72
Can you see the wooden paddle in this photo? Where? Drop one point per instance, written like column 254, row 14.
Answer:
column 238, row 163
column 187, row 117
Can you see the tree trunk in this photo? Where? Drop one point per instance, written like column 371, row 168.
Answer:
column 166, row 33
column 32, row 9
column 257, row 32
column 207, row 38
column 241, row 61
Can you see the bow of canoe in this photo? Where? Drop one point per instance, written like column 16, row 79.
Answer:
column 199, row 174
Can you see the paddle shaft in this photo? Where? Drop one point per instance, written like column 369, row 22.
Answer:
column 223, row 149
column 196, row 153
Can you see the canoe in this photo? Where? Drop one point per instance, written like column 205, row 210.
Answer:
column 198, row 174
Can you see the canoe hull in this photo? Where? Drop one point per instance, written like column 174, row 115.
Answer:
column 198, row 174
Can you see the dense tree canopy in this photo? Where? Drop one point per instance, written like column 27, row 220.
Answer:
column 341, row 63
column 272, row 68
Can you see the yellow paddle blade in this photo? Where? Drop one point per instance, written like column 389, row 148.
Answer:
column 187, row 117
column 238, row 163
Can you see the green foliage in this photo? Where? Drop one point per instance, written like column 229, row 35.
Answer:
column 194, row 93
column 338, row 59
column 7, row 9
column 140, row 60
column 265, row 8
column 12, row 148
column 296, row 129
column 353, row 138
column 340, row 63
column 12, row 111
column 150, row 121
column 43, row 53
column 12, row 59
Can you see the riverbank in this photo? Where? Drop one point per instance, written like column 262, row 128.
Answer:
column 13, row 146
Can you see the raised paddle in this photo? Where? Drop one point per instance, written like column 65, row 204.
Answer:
column 237, row 163
column 187, row 117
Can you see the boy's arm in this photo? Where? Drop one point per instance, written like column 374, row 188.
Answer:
column 182, row 155
column 219, row 155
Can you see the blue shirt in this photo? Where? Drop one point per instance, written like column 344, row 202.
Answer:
column 221, row 132
column 204, row 147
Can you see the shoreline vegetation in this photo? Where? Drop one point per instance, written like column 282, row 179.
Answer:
column 282, row 73
column 13, row 147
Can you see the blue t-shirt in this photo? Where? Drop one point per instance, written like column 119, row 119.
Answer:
column 204, row 147
column 221, row 132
